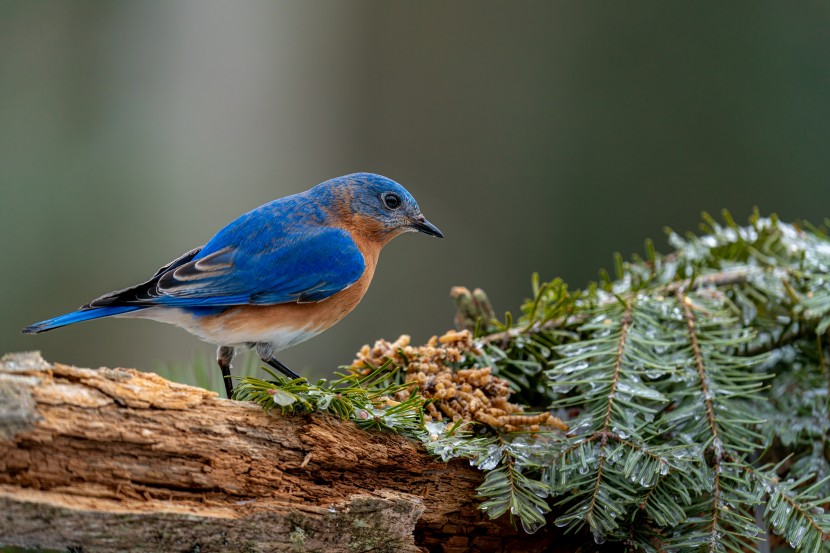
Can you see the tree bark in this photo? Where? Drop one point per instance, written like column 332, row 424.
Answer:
column 120, row 460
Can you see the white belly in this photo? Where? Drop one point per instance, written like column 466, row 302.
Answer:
column 278, row 337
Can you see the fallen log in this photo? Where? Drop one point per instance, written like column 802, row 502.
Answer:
column 120, row 460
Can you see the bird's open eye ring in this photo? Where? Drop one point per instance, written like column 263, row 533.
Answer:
column 391, row 200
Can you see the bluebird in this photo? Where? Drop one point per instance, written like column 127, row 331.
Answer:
column 274, row 277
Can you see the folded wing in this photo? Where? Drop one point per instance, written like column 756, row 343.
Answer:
column 302, row 267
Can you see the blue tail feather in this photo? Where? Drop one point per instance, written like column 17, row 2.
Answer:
column 79, row 316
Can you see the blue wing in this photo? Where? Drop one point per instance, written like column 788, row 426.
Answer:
column 280, row 252
column 309, row 267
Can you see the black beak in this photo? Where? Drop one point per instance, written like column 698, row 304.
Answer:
column 422, row 225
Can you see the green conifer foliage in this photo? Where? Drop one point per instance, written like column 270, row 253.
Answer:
column 683, row 379
column 696, row 386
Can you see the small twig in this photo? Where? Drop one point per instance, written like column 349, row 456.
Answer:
column 533, row 329
column 701, row 370
column 710, row 411
column 621, row 342
column 723, row 278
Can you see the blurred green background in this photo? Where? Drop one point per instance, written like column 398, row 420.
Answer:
column 539, row 136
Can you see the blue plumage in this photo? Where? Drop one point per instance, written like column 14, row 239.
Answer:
column 310, row 266
column 306, row 248
column 77, row 317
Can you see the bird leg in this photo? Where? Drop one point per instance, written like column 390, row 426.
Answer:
column 266, row 356
column 274, row 362
column 224, row 356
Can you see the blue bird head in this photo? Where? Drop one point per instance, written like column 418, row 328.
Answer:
column 378, row 206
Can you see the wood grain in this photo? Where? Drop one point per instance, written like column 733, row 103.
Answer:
column 120, row 460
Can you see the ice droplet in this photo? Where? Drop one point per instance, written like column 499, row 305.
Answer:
column 798, row 535
column 531, row 526
column 561, row 388
column 490, row 460
column 717, row 445
column 435, row 427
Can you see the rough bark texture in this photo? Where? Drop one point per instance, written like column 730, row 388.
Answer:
column 119, row 460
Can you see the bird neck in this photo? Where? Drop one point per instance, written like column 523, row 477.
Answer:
column 368, row 229
column 369, row 246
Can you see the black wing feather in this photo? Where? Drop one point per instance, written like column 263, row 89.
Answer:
column 145, row 290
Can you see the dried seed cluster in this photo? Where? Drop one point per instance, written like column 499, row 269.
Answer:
column 473, row 394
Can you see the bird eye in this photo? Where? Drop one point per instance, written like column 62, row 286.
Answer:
column 391, row 200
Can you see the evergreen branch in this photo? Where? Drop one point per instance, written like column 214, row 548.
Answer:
column 713, row 529
column 796, row 516
column 535, row 328
column 722, row 278
column 725, row 528
column 664, row 504
column 366, row 400
column 565, row 453
column 589, row 514
column 625, row 323
column 506, row 488
column 717, row 279
column 604, row 436
column 685, row 302
column 786, row 525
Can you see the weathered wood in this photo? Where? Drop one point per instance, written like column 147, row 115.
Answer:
column 120, row 460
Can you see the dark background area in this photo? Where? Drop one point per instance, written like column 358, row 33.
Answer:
column 539, row 136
